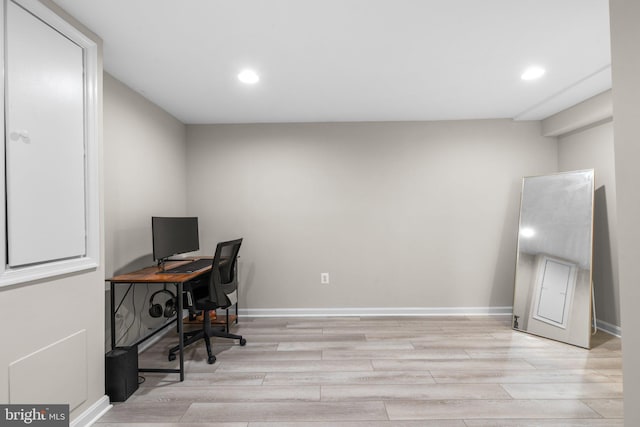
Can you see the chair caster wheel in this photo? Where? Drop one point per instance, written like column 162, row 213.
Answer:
column 171, row 357
column 243, row 341
column 211, row 359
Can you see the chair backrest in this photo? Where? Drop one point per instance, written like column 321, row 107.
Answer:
column 224, row 278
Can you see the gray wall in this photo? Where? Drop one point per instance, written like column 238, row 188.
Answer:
column 399, row 214
column 625, row 39
column 43, row 319
column 585, row 141
column 592, row 148
column 144, row 175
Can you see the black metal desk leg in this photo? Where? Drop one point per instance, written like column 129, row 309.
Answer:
column 180, row 328
column 113, row 316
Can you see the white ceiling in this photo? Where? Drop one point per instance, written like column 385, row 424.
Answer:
column 353, row 60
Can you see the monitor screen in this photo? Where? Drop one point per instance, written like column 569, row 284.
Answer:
column 174, row 235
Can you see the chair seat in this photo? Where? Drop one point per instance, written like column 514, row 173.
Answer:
column 207, row 304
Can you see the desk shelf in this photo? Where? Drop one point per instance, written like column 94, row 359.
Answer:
column 218, row 320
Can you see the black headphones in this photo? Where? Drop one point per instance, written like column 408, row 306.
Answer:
column 156, row 310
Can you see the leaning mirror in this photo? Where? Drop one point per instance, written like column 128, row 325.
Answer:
column 552, row 295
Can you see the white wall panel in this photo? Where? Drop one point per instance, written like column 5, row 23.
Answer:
column 45, row 145
column 60, row 370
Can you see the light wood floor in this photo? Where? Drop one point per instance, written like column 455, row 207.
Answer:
column 375, row 372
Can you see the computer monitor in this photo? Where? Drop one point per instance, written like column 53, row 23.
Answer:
column 173, row 236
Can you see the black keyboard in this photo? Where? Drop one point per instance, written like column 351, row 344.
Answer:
column 190, row 267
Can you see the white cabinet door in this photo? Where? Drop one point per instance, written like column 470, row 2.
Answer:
column 45, row 167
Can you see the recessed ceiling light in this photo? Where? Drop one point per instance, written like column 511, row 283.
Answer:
column 532, row 73
column 248, row 77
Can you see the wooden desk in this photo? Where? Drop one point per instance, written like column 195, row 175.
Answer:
column 153, row 275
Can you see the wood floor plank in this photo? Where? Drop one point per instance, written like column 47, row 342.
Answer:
column 474, row 343
column 286, row 411
column 544, row 423
column 203, row 379
column 383, row 334
column 500, row 409
column 608, row 408
column 359, row 377
column 387, row 392
column 403, row 354
column 261, row 330
column 523, row 353
column 435, row 364
column 539, row 376
column 565, row 391
column 295, row 366
column 178, row 424
column 231, row 394
column 576, row 363
column 301, row 338
column 271, row 355
column 346, row 345
column 422, row 423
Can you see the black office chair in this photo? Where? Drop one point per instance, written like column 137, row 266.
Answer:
column 211, row 296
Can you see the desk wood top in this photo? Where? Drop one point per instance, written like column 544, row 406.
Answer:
column 152, row 274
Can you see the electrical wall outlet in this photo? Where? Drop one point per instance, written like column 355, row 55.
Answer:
column 324, row 278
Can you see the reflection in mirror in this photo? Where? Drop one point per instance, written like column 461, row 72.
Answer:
column 552, row 295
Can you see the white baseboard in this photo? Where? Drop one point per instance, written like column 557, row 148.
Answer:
column 609, row 328
column 375, row 311
column 92, row 414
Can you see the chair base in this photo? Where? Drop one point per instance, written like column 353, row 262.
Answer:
column 205, row 334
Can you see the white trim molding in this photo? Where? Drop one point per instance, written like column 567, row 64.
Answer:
column 609, row 328
column 375, row 311
column 90, row 260
column 92, row 413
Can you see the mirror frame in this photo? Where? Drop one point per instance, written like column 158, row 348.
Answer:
column 548, row 264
